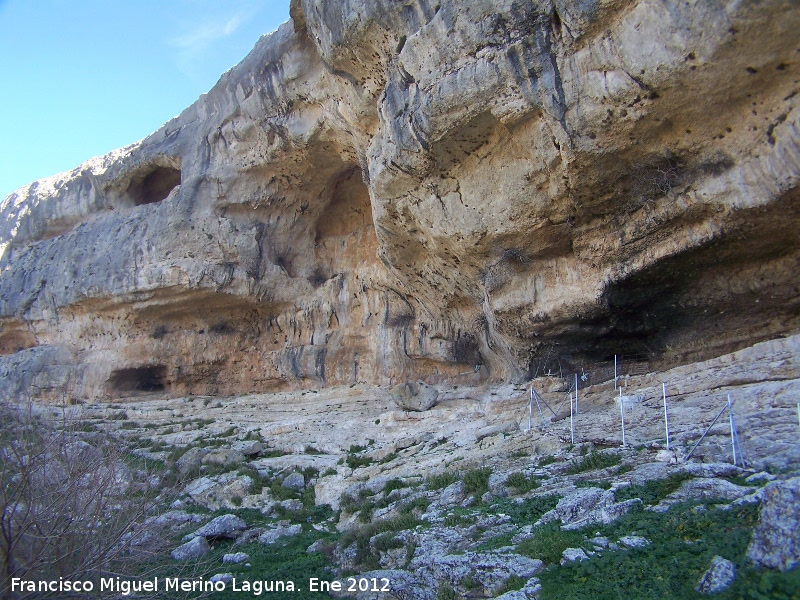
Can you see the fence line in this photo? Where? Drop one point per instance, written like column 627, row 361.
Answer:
column 736, row 446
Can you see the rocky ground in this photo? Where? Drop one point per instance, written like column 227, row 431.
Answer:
column 464, row 501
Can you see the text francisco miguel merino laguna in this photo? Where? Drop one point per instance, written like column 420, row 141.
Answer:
column 126, row 587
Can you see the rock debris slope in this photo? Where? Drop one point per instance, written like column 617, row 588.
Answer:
column 391, row 190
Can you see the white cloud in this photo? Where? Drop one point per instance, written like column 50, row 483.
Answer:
column 205, row 34
column 200, row 32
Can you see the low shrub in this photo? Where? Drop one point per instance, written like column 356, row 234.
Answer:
column 653, row 491
column 593, row 461
column 682, row 543
column 520, row 483
column 527, row 512
column 441, row 480
column 476, row 481
column 549, row 542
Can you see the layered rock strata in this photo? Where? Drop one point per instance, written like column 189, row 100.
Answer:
column 385, row 191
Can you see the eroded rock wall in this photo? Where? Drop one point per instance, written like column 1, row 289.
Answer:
column 385, row 190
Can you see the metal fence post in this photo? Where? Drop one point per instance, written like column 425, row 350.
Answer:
column 622, row 412
column 571, row 421
column 733, row 435
column 666, row 414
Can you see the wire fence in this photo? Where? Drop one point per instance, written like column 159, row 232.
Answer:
column 538, row 404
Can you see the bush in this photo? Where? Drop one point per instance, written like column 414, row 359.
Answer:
column 360, row 536
column 441, row 480
column 419, row 503
column 549, row 542
column 394, row 484
column 548, row 459
column 604, row 485
column 476, row 481
column 527, row 512
column 595, row 460
column 654, row 491
column 683, row 542
column 354, row 462
column 513, row 583
column 521, row 484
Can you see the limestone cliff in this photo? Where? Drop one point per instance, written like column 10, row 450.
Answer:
column 384, row 190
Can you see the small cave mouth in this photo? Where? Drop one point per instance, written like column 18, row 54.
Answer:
column 138, row 379
column 155, row 186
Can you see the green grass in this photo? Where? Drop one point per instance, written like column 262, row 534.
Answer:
column 419, row 503
column 360, row 536
column 549, row 541
column 457, row 520
column 513, row 583
column 446, row 592
column 394, row 484
column 389, row 458
column 273, row 453
column 654, row 491
column 527, row 512
column 476, row 481
column 742, row 481
column 592, row 462
column 603, row 485
column 354, row 462
column 683, row 541
column 287, row 560
column 441, row 480
column 548, row 459
column 521, row 484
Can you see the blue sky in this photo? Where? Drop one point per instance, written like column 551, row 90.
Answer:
column 83, row 77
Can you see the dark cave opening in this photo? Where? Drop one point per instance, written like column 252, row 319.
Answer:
column 147, row 379
column 155, row 186
column 739, row 288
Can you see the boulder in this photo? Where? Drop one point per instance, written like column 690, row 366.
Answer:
column 248, row 447
column 453, row 495
column 588, row 505
column 488, row 569
column 634, row 541
column 776, row 539
column 197, row 547
column 223, row 527
column 273, row 535
column 235, row 558
column 719, row 576
column 191, row 460
column 415, row 396
column 224, row 458
column 220, row 491
column 294, row 481
column 572, row 554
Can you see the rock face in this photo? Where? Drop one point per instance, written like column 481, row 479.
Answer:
column 775, row 543
column 389, row 191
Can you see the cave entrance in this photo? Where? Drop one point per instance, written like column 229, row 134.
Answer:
column 155, row 186
column 349, row 209
column 146, row 379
